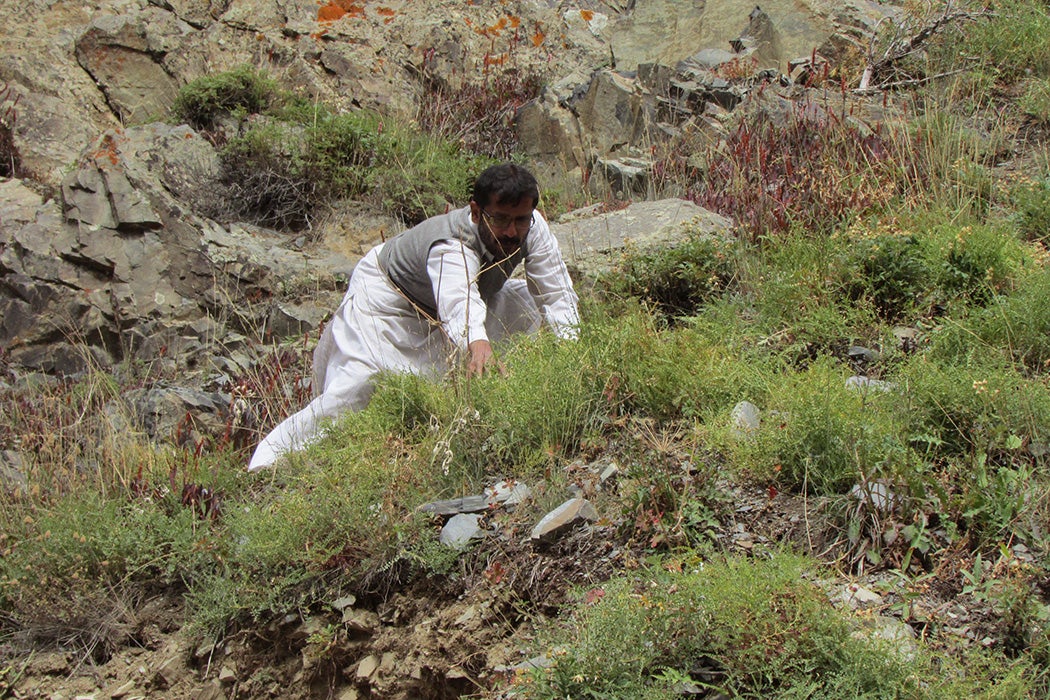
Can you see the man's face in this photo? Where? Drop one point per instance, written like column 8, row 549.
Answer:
column 503, row 227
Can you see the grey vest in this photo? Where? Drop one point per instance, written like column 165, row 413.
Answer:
column 404, row 258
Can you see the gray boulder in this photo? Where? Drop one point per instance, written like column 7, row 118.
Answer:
column 123, row 55
column 591, row 244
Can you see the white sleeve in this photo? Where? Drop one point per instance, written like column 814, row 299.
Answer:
column 454, row 270
column 549, row 281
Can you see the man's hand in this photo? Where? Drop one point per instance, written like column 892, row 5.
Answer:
column 482, row 359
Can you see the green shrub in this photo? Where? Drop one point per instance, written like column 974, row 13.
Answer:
column 550, row 400
column 285, row 174
column 894, row 275
column 977, row 262
column 68, row 574
column 924, row 267
column 686, row 372
column 267, row 180
column 1000, row 502
column 978, row 404
column 297, row 159
column 970, row 263
column 1035, row 99
column 338, row 506
column 801, row 297
column 1007, row 44
column 237, row 93
column 1014, row 328
column 743, row 628
column 91, row 538
column 679, row 278
column 1032, row 205
column 421, row 175
column 823, row 436
column 339, row 150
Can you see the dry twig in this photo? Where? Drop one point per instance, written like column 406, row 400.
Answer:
column 907, row 41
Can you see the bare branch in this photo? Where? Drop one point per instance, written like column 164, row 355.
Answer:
column 907, row 41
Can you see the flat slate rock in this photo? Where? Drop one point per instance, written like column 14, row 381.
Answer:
column 454, row 506
column 569, row 513
column 505, row 492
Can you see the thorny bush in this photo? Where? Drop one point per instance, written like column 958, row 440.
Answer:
column 478, row 115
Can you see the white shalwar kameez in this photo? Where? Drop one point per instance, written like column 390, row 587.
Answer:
column 377, row 328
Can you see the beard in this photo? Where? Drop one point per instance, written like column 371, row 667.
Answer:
column 500, row 248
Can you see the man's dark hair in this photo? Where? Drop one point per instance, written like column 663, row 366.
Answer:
column 506, row 184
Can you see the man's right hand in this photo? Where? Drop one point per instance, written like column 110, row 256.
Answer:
column 482, row 359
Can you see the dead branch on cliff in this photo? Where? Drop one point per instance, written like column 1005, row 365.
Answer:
column 907, row 37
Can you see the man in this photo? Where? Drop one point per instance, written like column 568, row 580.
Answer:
column 437, row 291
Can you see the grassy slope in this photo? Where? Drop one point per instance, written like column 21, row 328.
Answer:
column 923, row 242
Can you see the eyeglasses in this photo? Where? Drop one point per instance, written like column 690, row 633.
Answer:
column 522, row 224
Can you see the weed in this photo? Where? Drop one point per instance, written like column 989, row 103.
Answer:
column 807, row 165
column 798, row 298
column 976, row 261
column 894, row 274
column 236, row 93
column 669, row 496
column 283, row 174
column 73, row 557
column 1011, row 327
column 973, row 408
column 280, row 174
column 265, row 181
column 287, row 160
column 422, row 175
column 1007, row 584
column 540, row 413
column 68, row 431
column 687, row 372
column 942, row 163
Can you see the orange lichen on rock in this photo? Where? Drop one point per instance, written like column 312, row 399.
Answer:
column 337, row 9
column 108, row 150
column 538, row 38
column 386, row 12
column 330, row 13
column 587, row 15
